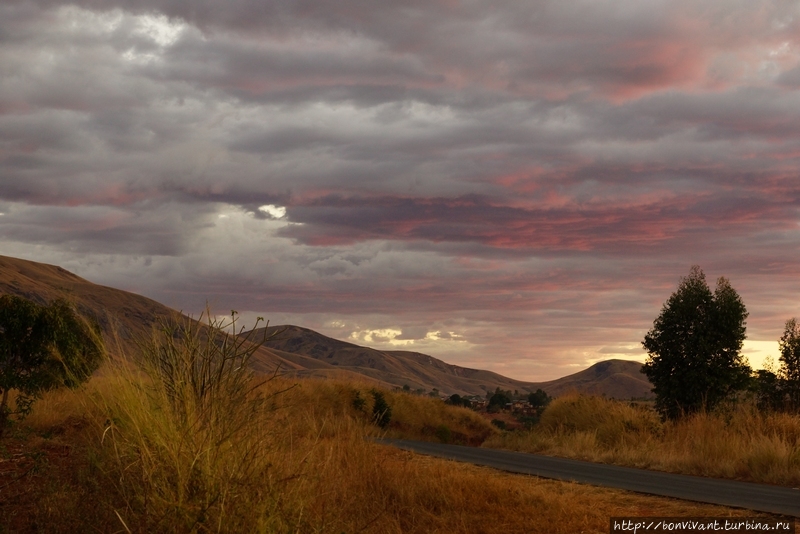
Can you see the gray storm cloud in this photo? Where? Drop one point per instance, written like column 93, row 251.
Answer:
column 529, row 179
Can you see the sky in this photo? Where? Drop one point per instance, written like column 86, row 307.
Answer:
column 509, row 185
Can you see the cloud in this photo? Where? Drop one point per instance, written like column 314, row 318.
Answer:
column 518, row 185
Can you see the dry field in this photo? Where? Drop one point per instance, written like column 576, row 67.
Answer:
column 111, row 458
column 182, row 443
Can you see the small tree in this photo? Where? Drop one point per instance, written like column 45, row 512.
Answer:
column 695, row 347
column 41, row 348
column 381, row 411
column 789, row 345
column 769, row 390
column 498, row 400
column 539, row 399
column 457, row 400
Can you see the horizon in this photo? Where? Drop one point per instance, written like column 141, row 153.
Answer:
column 509, row 186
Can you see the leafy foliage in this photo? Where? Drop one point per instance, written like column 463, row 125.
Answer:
column 498, row 400
column 381, row 411
column 499, row 423
column 41, row 348
column 358, row 401
column 695, row 347
column 444, row 434
column 457, row 400
column 769, row 390
column 789, row 345
column 539, row 399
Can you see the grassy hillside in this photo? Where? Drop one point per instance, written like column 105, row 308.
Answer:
column 617, row 379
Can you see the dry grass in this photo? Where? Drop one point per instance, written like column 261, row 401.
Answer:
column 739, row 442
column 161, row 448
column 313, row 472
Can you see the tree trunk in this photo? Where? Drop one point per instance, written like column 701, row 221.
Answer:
column 4, row 412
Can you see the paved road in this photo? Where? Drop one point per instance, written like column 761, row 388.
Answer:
column 760, row 497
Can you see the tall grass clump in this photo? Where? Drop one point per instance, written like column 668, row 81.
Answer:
column 393, row 414
column 185, row 429
column 590, row 428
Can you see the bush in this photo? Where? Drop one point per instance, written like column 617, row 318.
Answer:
column 611, row 421
column 539, row 399
column 186, row 428
column 42, row 348
column 381, row 411
column 498, row 401
column 443, row 434
column 499, row 423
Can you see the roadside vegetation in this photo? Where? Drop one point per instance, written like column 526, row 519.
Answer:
column 302, row 466
column 181, row 437
column 712, row 415
column 738, row 441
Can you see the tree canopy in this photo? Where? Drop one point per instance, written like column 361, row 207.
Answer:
column 41, row 348
column 498, row 400
column 694, row 347
column 539, row 399
column 789, row 345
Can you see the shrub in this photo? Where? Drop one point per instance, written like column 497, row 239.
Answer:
column 42, row 348
column 611, row 421
column 381, row 411
column 443, row 434
column 499, row 423
column 186, row 427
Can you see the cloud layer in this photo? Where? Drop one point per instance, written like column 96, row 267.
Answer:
column 509, row 185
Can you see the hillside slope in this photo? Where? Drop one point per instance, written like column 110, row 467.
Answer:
column 302, row 352
column 613, row 378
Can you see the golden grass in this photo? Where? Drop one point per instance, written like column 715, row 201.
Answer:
column 303, row 466
column 739, row 442
column 186, row 443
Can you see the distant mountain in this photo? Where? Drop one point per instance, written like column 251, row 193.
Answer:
column 301, row 352
column 613, row 378
column 397, row 368
column 619, row 379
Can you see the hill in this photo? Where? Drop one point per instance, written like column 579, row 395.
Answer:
column 618, row 379
column 612, row 378
column 298, row 351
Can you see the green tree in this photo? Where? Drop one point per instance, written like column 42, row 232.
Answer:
column 498, row 400
column 769, row 390
column 539, row 399
column 789, row 371
column 41, row 348
column 457, row 400
column 695, row 347
column 381, row 411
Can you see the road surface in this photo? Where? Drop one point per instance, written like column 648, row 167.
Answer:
column 759, row 497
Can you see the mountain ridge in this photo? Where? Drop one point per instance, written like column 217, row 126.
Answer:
column 302, row 352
